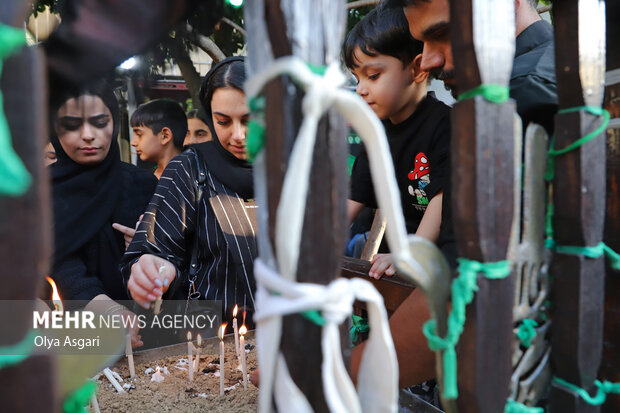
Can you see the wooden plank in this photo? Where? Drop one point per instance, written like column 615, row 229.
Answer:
column 377, row 229
column 610, row 366
column 394, row 290
column 482, row 153
column 25, row 227
column 323, row 226
column 579, row 199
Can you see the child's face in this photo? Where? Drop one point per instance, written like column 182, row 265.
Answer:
column 230, row 119
column 385, row 84
column 84, row 128
column 148, row 144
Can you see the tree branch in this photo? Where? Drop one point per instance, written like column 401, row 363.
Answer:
column 205, row 44
column 362, row 3
column 543, row 9
column 234, row 25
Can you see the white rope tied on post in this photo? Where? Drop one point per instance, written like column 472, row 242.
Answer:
column 279, row 295
column 378, row 384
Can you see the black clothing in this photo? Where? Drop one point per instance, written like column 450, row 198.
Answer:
column 420, row 147
column 234, row 173
column 176, row 219
column 532, row 82
column 87, row 200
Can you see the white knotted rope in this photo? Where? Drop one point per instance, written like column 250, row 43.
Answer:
column 378, row 376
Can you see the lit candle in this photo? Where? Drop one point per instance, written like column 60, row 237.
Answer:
column 197, row 360
column 236, row 331
column 220, row 334
column 190, row 367
column 129, row 354
column 158, row 377
column 55, row 296
column 244, row 370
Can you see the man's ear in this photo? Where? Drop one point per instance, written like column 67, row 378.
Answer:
column 419, row 76
column 166, row 135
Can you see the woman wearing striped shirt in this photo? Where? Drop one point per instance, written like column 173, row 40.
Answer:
column 217, row 228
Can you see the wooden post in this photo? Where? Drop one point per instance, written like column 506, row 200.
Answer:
column 610, row 368
column 482, row 153
column 579, row 199
column 324, row 222
column 25, row 228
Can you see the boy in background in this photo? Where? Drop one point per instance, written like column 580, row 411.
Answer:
column 159, row 128
column 384, row 58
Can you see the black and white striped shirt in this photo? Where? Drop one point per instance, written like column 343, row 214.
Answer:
column 175, row 220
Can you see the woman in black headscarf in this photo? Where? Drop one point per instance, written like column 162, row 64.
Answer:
column 92, row 189
column 198, row 241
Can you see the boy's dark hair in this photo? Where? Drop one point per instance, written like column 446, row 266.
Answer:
column 160, row 113
column 383, row 31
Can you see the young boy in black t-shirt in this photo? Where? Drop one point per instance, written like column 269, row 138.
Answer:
column 385, row 60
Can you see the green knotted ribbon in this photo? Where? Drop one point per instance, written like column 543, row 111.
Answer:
column 553, row 153
column 360, row 326
column 492, row 93
column 78, row 399
column 314, row 316
column 604, row 388
column 14, row 177
column 463, row 289
column 527, row 331
column 15, row 354
column 516, row 407
column 590, row 252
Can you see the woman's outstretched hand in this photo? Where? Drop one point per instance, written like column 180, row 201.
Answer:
column 150, row 278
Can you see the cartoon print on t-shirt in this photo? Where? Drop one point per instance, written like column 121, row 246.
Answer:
column 420, row 177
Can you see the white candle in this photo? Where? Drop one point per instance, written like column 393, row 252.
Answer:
column 220, row 334
column 158, row 377
column 197, row 360
column 158, row 300
column 190, row 367
column 236, row 331
column 129, row 354
column 244, row 369
column 110, row 376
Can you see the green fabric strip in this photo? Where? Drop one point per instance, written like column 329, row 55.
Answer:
column 604, row 388
column 597, row 111
column 590, row 252
column 314, row 316
column 516, row 407
column 463, row 288
column 14, row 177
column 78, row 399
column 15, row 354
column 492, row 93
column 527, row 331
column 360, row 326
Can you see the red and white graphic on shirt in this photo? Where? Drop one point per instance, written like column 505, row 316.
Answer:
column 421, row 167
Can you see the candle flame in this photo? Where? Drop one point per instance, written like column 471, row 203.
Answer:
column 243, row 330
column 157, row 369
column 235, row 310
column 55, row 296
column 189, row 336
column 221, row 331
column 199, row 340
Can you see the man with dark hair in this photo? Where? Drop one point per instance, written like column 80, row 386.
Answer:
column 159, row 128
column 532, row 82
